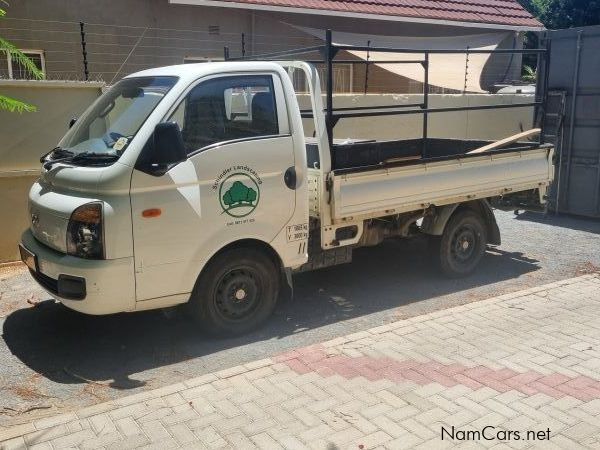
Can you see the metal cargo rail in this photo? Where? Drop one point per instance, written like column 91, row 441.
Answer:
column 329, row 51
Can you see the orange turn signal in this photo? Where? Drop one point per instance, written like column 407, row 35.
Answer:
column 88, row 213
column 152, row 212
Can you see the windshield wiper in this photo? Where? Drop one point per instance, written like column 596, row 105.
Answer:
column 90, row 156
column 94, row 155
column 56, row 152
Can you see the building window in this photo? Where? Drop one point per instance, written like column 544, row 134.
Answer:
column 17, row 71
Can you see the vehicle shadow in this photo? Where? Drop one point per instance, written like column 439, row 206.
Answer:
column 563, row 221
column 67, row 347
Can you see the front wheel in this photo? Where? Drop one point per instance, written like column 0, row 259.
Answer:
column 462, row 244
column 236, row 292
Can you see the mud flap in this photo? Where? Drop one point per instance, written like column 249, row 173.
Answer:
column 492, row 225
column 290, row 281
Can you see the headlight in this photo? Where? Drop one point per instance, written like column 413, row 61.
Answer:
column 85, row 237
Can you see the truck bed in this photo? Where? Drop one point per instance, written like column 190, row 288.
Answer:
column 362, row 154
column 396, row 181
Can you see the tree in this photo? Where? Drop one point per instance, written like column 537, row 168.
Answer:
column 239, row 195
column 571, row 13
column 557, row 14
column 11, row 104
column 533, row 6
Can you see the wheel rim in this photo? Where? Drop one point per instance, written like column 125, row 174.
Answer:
column 464, row 245
column 237, row 295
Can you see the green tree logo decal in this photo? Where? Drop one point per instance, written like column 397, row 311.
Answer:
column 241, row 197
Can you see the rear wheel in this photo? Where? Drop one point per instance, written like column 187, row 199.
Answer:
column 236, row 292
column 462, row 244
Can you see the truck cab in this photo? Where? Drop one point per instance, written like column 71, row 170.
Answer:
column 169, row 169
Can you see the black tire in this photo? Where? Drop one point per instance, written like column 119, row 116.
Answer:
column 462, row 245
column 235, row 293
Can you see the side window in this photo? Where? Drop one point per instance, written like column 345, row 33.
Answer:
column 228, row 108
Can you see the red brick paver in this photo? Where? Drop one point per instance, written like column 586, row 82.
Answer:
column 556, row 385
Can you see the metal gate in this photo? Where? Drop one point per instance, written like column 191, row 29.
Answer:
column 575, row 71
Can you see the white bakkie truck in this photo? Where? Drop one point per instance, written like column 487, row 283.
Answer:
column 196, row 184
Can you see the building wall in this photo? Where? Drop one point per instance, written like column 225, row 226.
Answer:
column 13, row 201
column 112, row 30
column 127, row 36
column 479, row 125
column 27, row 136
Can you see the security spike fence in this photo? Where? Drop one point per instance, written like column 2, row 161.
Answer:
column 60, row 76
column 76, row 51
column 110, row 52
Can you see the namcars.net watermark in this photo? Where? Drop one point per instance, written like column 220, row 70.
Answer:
column 492, row 433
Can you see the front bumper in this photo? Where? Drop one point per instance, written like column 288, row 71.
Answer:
column 108, row 285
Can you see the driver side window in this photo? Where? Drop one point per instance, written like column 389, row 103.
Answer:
column 225, row 109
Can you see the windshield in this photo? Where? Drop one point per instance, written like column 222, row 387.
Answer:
column 112, row 122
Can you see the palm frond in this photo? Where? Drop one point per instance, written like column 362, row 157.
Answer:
column 21, row 58
column 529, row 74
column 12, row 105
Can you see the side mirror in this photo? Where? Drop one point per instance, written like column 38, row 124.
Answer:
column 166, row 150
column 72, row 122
column 168, row 144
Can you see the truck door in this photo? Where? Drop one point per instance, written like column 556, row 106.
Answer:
column 237, row 135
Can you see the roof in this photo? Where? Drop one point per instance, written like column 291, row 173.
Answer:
column 507, row 13
column 191, row 72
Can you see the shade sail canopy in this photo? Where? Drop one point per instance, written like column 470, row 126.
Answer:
column 460, row 72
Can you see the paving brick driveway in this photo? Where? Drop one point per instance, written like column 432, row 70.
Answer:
column 525, row 363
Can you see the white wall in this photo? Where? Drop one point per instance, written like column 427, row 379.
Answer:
column 484, row 124
column 25, row 137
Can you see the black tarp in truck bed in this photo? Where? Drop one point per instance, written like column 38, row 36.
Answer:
column 365, row 153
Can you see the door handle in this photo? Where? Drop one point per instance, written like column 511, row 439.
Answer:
column 289, row 177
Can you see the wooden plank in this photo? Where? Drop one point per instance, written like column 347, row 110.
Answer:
column 506, row 141
column 402, row 158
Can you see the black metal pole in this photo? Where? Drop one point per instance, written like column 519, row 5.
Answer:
column 425, row 103
column 538, row 90
column 226, row 53
column 367, row 68
column 243, row 44
column 329, row 87
column 573, row 112
column 545, row 85
column 86, row 73
column 466, row 70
